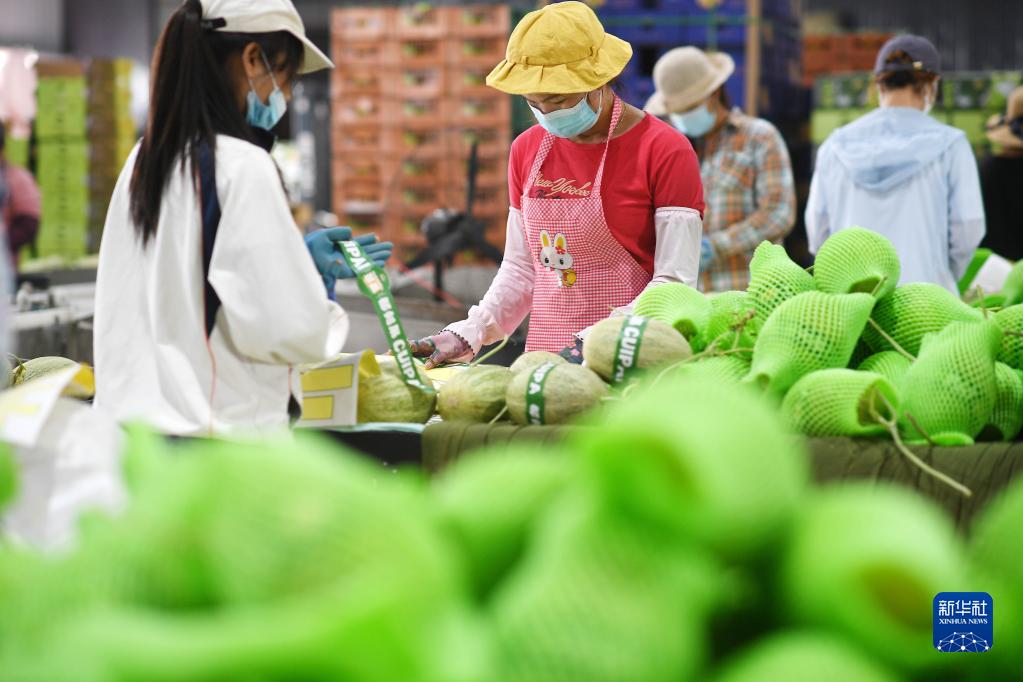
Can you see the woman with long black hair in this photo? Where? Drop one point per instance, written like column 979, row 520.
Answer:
column 206, row 294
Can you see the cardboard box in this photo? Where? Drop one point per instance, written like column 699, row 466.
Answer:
column 60, row 68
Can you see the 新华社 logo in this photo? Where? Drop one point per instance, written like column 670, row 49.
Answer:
column 963, row 622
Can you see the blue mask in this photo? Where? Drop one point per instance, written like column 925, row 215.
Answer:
column 571, row 122
column 266, row 116
column 695, row 123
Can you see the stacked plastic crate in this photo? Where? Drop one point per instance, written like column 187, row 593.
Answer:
column 62, row 159
column 409, row 99
column 967, row 101
column 826, row 55
column 762, row 36
column 112, row 135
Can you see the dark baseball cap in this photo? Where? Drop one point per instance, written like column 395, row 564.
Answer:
column 920, row 50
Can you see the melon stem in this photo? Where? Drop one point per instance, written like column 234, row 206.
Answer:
column 887, row 337
column 893, row 429
column 493, row 351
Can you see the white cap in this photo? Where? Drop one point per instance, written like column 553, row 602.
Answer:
column 266, row 16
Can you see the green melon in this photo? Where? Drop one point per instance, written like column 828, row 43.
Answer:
column 729, row 311
column 774, row 279
column 1006, row 419
column 857, row 261
column 385, row 397
column 803, row 657
column 38, row 368
column 911, row 312
column 699, row 457
column 1012, row 289
column 996, row 556
column 1010, row 321
column 569, row 390
column 661, row 345
column 475, row 395
column 890, row 364
column 491, row 501
column 678, row 305
column 527, row 362
column 865, row 562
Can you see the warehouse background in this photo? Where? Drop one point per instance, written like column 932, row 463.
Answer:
column 355, row 148
column 973, row 36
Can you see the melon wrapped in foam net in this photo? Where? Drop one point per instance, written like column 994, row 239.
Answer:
column 809, row 332
column 1010, row 321
column 1012, row 288
column 726, row 476
column 1007, row 416
column 599, row 600
column 774, row 279
column 913, row 310
column 678, row 305
column 729, row 318
column 890, row 364
column 730, row 368
column 856, row 260
column 950, row 391
column 841, row 402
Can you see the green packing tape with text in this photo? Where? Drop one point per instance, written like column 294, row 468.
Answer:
column 627, row 351
column 375, row 285
column 534, row 393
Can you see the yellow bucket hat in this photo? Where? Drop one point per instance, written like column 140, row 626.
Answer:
column 560, row 49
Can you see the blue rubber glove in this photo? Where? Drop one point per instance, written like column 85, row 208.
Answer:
column 706, row 253
column 325, row 250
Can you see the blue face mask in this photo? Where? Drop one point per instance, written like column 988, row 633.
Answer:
column 571, row 122
column 266, row 116
column 695, row 123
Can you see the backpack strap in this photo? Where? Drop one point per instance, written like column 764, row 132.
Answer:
column 210, row 225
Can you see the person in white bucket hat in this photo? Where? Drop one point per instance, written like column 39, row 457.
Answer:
column 206, row 295
column 747, row 175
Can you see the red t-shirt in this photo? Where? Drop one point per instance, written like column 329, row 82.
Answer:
column 649, row 167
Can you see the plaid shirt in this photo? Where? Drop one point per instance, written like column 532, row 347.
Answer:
column 750, row 195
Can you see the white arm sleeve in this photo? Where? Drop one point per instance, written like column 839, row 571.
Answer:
column 510, row 296
column 274, row 307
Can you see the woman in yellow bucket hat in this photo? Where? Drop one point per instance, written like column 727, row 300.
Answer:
column 605, row 199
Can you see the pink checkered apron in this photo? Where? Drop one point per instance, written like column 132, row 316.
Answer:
column 580, row 271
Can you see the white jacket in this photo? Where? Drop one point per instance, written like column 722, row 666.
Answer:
column 153, row 362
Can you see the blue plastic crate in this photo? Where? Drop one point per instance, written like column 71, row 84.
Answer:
column 649, row 32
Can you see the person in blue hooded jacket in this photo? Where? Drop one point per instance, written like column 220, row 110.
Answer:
column 901, row 173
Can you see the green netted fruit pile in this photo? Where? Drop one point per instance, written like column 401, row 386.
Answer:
column 646, row 547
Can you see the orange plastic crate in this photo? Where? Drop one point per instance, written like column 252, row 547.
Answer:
column 491, row 169
column 358, row 139
column 370, row 55
column 418, row 82
column 359, row 169
column 362, row 23
column 414, row 143
column 422, row 21
column 486, row 21
column 485, row 110
column 359, row 109
column 469, row 81
column 416, row 113
column 492, row 141
column 347, row 81
column 421, row 53
column 476, row 51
